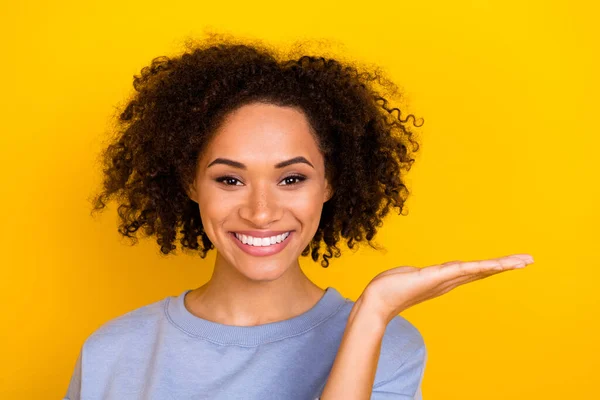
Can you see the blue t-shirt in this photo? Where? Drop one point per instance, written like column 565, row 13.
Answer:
column 161, row 351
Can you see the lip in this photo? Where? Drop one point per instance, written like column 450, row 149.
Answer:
column 261, row 251
column 261, row 234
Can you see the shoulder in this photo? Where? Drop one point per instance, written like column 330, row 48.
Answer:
column 403, row 351
column 127, row 327
column 102, row 348
column 402, row 360
column 402, row 356
column 401, row 335
column 402, row 342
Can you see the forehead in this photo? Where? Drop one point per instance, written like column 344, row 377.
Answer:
column 264, row 133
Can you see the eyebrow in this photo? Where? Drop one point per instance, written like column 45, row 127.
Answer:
column 237, row 164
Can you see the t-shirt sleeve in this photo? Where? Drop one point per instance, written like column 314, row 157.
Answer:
column 405, row 382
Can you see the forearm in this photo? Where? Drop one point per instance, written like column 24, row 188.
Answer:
column 353, row 371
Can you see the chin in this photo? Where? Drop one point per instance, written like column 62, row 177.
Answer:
column 258, row 269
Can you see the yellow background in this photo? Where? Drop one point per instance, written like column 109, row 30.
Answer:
column 508, row 164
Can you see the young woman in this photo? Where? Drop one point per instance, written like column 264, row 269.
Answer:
column 263, row 160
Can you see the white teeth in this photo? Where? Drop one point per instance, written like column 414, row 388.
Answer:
column 252, row 241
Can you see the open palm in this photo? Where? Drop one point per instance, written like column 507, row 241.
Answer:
column 399, row 288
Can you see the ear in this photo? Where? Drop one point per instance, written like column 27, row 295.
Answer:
column 191, row 192
column 328, row 192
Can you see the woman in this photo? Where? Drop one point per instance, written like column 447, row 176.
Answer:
column 264, row 160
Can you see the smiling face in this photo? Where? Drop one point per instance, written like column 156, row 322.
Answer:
column 243, row 183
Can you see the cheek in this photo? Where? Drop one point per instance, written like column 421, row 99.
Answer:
column 305, row 208
column 213, row 212
column 213, row 202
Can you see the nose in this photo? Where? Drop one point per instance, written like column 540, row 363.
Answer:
column 262, row 206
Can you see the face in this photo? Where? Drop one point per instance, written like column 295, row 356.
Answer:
column 239, row 186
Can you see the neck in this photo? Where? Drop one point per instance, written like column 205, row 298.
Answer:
column 232, row 299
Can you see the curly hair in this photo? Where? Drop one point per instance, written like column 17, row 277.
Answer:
column 180, row 101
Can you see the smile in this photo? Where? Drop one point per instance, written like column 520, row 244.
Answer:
column 262, row 250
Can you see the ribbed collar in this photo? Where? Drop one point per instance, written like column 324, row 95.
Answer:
column 330, row 303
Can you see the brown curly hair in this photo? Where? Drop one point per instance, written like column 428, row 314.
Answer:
column 180, row 101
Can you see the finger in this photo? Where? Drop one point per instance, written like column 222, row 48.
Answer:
column 453, row 270
column 524, row 256
column 501, row 266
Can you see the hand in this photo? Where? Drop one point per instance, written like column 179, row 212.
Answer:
column 399, row 288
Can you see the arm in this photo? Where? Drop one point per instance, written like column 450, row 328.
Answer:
column 353, row 372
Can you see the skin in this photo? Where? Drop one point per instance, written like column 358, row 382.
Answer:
column 388, row 294
column 246, row 290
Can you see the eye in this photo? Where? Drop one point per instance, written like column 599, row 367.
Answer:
column 299, row 179
column 229, row 178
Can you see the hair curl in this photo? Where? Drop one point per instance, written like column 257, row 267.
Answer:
column 180, row 101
